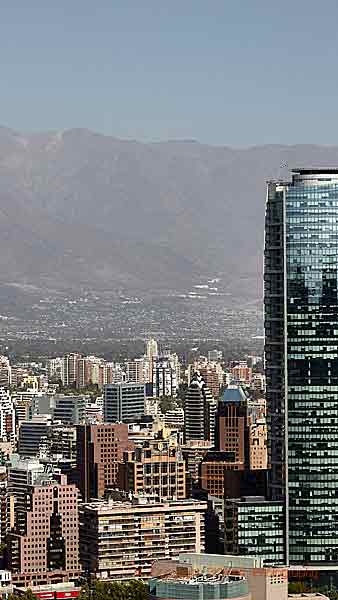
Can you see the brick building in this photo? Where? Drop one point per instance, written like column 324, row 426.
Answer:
column 99, row 450
column 44, row 544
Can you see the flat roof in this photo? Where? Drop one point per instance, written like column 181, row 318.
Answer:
column 315, row 170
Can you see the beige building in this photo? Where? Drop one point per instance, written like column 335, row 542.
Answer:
column 258, row 456
column 121, row 540
column 308, row 596
column 138, row 370
column 156, row 468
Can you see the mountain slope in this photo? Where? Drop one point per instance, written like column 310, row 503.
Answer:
column 82, row 209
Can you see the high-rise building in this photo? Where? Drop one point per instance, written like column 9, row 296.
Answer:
column 138, row 370
column 121, row 540
column 156, row 468
column 122, row 401
column 151, row 354
column 32, row 435
column 99, row 450
column 69, row 369
column 151, row 349
column 61, row 442
column 5, row 371
column 254, row 526
column 165, row 376
column 301, row 359
column 22, row 473
column 7, row 416
column 70, row 410
column 199, row 411
column 44, row 546
column 240, row 441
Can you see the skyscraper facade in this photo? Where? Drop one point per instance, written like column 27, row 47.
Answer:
column 199, row 411
column 123, row 401
column 99, row 450
column 301, row 356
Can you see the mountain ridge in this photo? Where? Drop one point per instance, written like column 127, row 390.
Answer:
column 84, row 209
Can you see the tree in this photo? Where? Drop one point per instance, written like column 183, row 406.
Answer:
column 114, row 590
column 166, row 403
column 27, row 595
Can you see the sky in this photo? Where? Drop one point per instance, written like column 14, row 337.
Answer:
column 225, row 72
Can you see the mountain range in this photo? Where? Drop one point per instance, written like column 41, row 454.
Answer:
column 80, row 209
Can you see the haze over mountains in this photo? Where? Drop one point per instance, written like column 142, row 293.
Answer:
column 79, row 209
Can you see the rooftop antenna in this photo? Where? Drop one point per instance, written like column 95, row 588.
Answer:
column 283, row 165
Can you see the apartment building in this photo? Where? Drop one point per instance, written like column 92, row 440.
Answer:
column 121, row 540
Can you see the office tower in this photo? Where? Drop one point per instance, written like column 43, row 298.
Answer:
column 165, row 376
column 254, row 526
column 241, row 428
column 174, row 418
column 61, row 442
column 123, row 401
column 154, row 531
column 44, row 545
column 69, row 410
column 240, row 441
column 199, row 411
column 42, row 404
column 212, row 471
column 231, row 422
column 33, row 435
column 156, row 469
column 301, row 359
column 99, row 450
column 23, row 473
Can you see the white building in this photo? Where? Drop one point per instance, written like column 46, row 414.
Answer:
column 166, row 373
column 7, row 416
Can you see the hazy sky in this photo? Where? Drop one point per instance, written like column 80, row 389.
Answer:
column 235, row 72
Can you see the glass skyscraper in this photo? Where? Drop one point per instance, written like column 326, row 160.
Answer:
column 301, row 355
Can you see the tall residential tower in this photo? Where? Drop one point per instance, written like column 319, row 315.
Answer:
column 301, row 356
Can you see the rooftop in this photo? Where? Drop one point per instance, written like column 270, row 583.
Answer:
column 234, row 393
column 198, row 578
column 316, row 171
